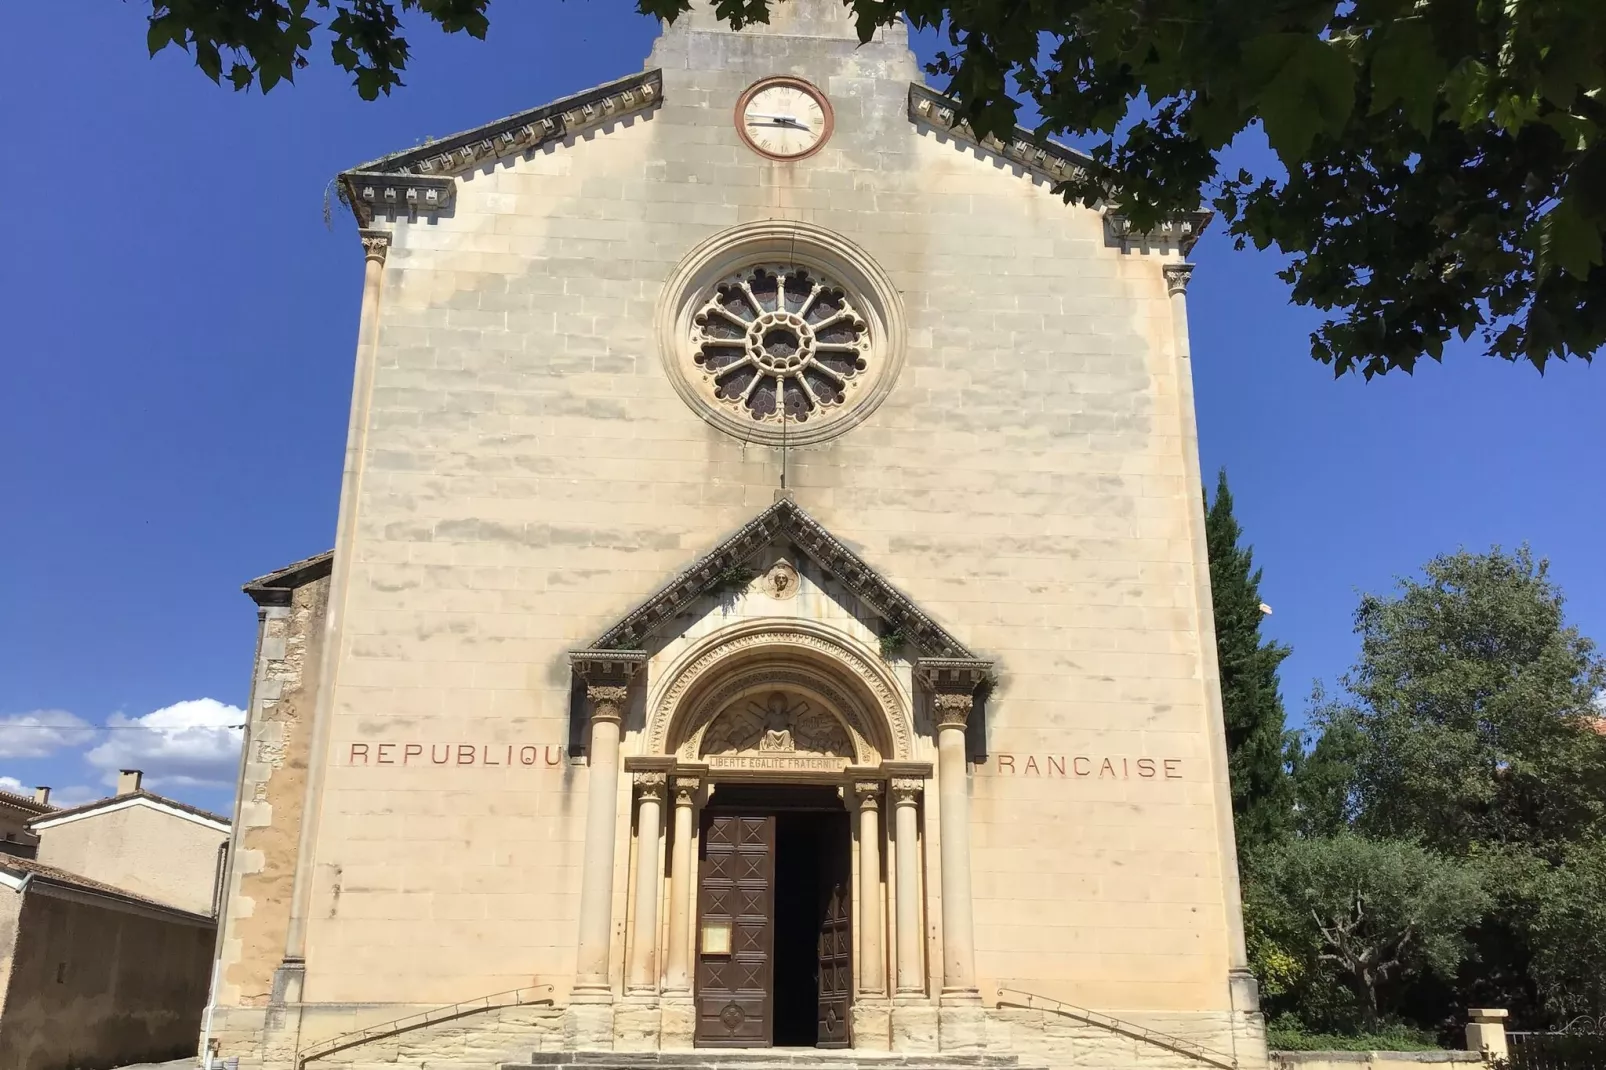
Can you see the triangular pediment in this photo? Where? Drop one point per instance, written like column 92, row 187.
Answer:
column 422, row 179
column 787, row 522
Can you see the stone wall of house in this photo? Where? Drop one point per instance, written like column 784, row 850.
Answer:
column 272, row 795
column 97, row 981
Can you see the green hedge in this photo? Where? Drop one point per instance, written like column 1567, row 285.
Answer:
column 1396, row 1038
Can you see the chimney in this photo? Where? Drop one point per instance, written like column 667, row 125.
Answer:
column 128, row 781
column 41, row 796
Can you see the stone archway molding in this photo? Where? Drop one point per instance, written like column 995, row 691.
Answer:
column 805, row 654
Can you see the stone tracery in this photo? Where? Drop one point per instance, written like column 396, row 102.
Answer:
column 780, row 342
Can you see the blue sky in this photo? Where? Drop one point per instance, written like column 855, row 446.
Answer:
column 176, row 370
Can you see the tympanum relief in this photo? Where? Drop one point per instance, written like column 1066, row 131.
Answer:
column 779, row 731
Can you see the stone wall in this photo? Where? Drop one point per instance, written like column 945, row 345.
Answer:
column 272, row 794
column 97, row 982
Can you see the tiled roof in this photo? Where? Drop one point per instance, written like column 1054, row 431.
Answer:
column 141, row 794
column 24, row 802
column 21, row 867
column 275, row 588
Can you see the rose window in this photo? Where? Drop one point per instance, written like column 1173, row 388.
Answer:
column 780, row 343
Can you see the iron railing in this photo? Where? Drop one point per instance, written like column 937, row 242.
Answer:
column 1008, row 996
column 1579, row 1045
column 513, row 997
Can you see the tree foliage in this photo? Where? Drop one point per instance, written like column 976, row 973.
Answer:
column 1262, row 796
column 1375, row 913
column 1443, row 162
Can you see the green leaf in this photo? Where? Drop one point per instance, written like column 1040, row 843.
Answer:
column 1305, row 87
column 1564, row 238
column 1407, row 70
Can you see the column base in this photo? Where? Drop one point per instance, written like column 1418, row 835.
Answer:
column 914, row 1026
column 872, row 1024
column 1243, row 991
column 588, row 1025
column 636, row 1024
column 289, row 980
column 963, row 1026
column 678, row 1031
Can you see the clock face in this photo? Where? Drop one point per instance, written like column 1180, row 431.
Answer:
column 784, row 118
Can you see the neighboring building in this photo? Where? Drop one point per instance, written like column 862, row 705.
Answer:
column 91, row 976
column 15, row 813
column 145, row 844
column 769, row 602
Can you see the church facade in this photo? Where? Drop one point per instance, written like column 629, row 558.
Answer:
column 768, row 606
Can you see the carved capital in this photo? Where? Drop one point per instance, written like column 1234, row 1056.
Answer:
column 1176, row 278
column 608, row 701
column 906, row 790
column 686, row 789
column 375, row 244
column 869, row 793
column 651, row 783
column 952, row 708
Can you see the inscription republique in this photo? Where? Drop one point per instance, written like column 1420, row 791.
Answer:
column 484, row 755
column 1085, row 767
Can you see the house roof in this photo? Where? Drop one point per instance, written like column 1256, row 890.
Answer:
column 786, row 520
column 14, row 870
column 132, row 798
column 275, row 588
column 24, row 802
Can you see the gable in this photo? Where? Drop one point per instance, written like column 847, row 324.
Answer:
column 785, row 521
column 423, row 178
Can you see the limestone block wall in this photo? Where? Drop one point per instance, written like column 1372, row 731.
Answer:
column 272, row 794
column 529, row 474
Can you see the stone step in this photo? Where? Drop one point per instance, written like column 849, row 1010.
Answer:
column 764, row 1059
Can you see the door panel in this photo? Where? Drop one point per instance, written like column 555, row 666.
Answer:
column 836, row 946
column 736, row 894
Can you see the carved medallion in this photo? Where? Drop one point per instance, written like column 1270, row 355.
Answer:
column 781, row 580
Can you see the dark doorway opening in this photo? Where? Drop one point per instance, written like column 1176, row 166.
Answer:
column 810, row 856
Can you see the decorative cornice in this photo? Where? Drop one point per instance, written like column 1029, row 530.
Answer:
column 421, row 179
column 1047, row 160
column 953, row 675
column 607, row 666
column 1177, row 277
column 1179, row 232
column 786, row 519
column 1053, row 163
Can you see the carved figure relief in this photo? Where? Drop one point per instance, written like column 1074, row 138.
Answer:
column 781, row 725
column 780, row 582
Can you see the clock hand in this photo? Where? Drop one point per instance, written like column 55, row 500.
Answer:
column 778, row 120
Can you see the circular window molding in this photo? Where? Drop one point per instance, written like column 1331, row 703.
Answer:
column 781, row 332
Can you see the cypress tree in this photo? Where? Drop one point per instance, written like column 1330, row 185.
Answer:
column 1262, row 794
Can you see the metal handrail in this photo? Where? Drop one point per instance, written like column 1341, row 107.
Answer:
column 513, row 997
column 1036, row 1002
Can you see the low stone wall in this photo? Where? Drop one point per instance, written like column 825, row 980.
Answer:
column 1374, row 1060
column 478, row 1040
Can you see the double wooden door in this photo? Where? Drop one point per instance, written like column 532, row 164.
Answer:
column 736, row 933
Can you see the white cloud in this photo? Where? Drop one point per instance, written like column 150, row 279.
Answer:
column 14, row 786
column 187, row 744
column 75, row 795
column 41, row 733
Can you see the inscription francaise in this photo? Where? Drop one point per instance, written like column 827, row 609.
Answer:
column 1086, row 767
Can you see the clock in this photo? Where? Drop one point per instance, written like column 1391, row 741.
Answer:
column 784, row 118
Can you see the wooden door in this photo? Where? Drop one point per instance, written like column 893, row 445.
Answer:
column 735, row 931
column 836, row 947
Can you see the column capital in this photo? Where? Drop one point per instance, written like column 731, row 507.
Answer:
column 1177, row 277
column 906, row 791
column 651, row 783
column 375, row 244
column 686, row 789
column 868, row 793
column 607, row 675
column 608, row 701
